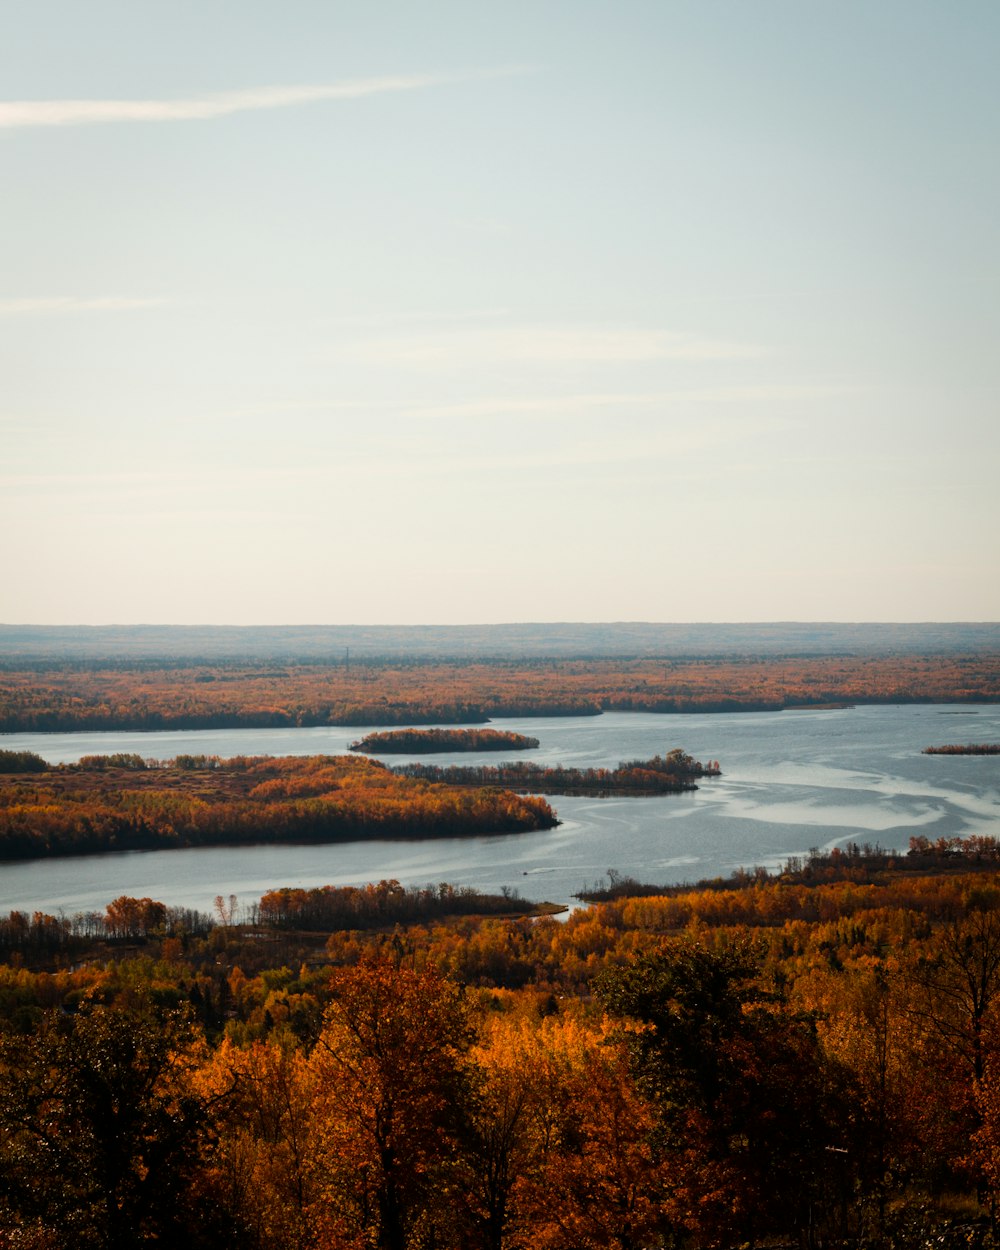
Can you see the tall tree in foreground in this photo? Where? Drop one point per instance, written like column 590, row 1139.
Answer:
column 558, row 1153
column 864, row 1023
column 260, row 1170
column 391, row 1091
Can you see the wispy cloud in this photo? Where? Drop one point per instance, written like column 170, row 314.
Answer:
column 545, row 343
column 21, row 113
column 572, row 405
column 569, row 405
column 42, row 305
column 379, row 320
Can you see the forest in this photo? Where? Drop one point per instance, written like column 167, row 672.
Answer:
column 70, row 695
column 430, row 741
column 806, row 1060
column 124, row 802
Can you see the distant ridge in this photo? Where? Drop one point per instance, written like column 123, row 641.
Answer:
column 330, row 643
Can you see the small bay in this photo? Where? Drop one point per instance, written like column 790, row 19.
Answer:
column 790, row 781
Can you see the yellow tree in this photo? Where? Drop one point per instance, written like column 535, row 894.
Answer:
column 613, row 1188
column 500, row 1146
column 390, row 1097
column 863, row 1021
column 559, row 1152
column 260, row 1166
column 954, row 986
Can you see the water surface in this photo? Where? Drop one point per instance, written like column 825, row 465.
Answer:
column 791, row 781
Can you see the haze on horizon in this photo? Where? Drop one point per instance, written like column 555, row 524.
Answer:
column 455, row 313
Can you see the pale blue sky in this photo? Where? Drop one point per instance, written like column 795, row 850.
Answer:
column 466, row 312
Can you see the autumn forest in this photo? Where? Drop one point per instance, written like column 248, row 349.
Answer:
column 806, row 1059
column 810, row 1060
column 113, row 694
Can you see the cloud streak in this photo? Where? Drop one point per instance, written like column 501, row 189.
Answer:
column 572, row 405
column 40, row 306
column 18, row 114
column 546, row 344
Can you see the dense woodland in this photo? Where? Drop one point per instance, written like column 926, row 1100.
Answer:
column 124, row 802
column 808, row 1061
column 433, row 741
column 74, row 696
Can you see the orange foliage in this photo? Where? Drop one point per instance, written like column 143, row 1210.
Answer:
column 242, row 695
column 319, row 798
column 457, row 1083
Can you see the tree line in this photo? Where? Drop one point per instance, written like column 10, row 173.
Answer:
column 662, row 774
column 245, row 695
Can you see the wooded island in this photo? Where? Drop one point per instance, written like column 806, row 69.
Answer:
column 970, row 748
column 431, row 741
column 663, row 774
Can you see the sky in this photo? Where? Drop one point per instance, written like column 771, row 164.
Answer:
column 548, row 310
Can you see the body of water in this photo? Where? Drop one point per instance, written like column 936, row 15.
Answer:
column 790, row 781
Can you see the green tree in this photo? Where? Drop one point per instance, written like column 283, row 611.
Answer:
column 750, row 1111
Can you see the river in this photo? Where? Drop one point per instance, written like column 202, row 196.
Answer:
column 790, row 781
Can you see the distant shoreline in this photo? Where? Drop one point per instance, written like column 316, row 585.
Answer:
column 137, row 696
column 521, row 641
column 196, row 724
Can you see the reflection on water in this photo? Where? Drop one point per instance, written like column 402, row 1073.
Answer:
column 791, row 781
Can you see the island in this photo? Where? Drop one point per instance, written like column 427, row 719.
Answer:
column 970, row 748
column 663, row 774
column 434, row 741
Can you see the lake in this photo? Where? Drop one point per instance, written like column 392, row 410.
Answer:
column 790, row 781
